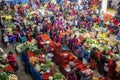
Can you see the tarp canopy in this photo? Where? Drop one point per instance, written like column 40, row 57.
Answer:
column 16, row 1
column 23, row 1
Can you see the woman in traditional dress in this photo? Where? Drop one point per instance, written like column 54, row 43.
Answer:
column 93, row 58
column 116, row 49
column 5, row 39
column 71, row 75
column 11, row 59
column 29, row 36
column 74, row 43
column 112, row 68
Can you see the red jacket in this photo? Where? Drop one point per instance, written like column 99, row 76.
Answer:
column 112, row 67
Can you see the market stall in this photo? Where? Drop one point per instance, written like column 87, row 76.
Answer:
column 31, row 21
column 6, row 71
column 67, row 60
column 42, row 62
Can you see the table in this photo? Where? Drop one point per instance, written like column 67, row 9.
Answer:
column 64, row 58
column 89, row 73
column 47, row 38
column 116, row 57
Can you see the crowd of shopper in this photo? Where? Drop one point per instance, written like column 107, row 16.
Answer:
column 65, row 17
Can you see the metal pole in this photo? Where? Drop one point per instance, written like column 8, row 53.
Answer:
column 104, row 5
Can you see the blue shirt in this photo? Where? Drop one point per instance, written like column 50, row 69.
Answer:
column 80, row 52
column 24, row 57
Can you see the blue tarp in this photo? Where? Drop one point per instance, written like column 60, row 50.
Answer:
column 23, row 1
column 29, row 68
column 17, row 1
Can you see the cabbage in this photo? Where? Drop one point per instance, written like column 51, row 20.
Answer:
column 58, row 76
column 1, row 66
column 3, row 76
column 29, row 16
column 31, row 23
column 90, row 41
column 12, row 77
column 13, row 26
column 46, row 66
column 10, row 24
column 37, row 67
column 50, row 78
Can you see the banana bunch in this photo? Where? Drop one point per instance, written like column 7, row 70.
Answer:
column 8, row 17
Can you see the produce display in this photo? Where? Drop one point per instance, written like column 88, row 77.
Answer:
column 12, row 77
column 107, row 17
column 6, row 71
column 41, row 62
column 101, row 42
column 45, row 66
column 67, row 61
column 31, row 45
column 7, row 17
column 58, row 76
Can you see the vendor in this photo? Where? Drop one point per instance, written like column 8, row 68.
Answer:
column 112, row 68
column 69, row 41
column 71, row 75
column 4, row 5
column 24, row 58
column 12, row 6
column 101, row 63
column 11, row 59
column 81, row 53
column 79, row 74
column 40, row 42
column 74, row 43
column 57, row 38
column 96, row 35
column 29, row 36
column 93, row 58
column 5, row 39
column 116, row 49
column 28, row 67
